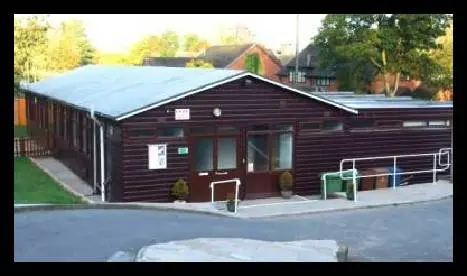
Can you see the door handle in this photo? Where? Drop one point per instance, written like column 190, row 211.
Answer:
column 221, row 173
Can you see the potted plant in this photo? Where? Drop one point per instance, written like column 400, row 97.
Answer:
column 286, row 184
column 180, row 191
column 231, row 202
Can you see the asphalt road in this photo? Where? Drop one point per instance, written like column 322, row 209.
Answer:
column 419, row 232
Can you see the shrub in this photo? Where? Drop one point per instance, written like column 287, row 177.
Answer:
column 230, row 197
column 286, row 181
column 180, row 189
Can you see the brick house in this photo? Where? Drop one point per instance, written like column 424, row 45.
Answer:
column 310, row 77
column 226, row 56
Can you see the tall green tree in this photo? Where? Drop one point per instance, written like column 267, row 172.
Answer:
column 169, row 44
column 239, row 34
column 146, row 47
column 393, row 44
column 441, row 74
column 30, row 44
column 194, row 44
column 69, row 46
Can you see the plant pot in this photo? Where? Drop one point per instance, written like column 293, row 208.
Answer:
column 286, row 194
column 230, row 206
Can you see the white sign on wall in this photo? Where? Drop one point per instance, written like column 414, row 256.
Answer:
column 157, row 156
column 182, row 114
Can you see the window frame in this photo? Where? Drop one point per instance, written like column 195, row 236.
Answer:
column 333, row 130
column 412, row 121
column 447, row 124
column 158, row 131
column 380, row 124
column 270, row 135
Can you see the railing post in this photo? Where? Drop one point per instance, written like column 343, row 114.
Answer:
column 434, row 168
column 394, row 174
column 236, row 195
column 212, row 193
column 354, row 181
column 22, row 146
column 324, row 183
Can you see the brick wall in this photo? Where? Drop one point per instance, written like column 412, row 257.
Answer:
column 269, row 67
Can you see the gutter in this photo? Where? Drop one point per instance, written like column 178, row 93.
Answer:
column 101, row 128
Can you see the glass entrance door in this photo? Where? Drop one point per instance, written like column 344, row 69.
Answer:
column 215, row 157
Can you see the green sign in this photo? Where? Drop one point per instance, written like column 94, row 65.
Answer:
column 183, row 150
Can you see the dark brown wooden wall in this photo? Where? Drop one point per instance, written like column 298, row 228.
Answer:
column 81, row 163
column 261, row 102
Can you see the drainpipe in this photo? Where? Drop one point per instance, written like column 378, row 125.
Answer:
column 452, row 150
column 101, row 128
column 94, row 152
column 296, row 52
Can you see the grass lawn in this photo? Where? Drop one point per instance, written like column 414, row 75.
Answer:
column 32, row 185
column 21, row 131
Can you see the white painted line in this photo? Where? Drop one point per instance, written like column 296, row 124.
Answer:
column 302, row 198
column 277, row 203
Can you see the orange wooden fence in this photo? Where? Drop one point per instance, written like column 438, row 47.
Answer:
column 20, row 111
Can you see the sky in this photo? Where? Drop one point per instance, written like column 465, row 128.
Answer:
column 116, row 33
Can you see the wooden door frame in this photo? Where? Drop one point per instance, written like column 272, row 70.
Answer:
column 240, row 154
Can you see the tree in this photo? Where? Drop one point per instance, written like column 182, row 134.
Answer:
column 194, row 44
column 199, row 63
column 30, row 44
column 146, row 47
column 240, row 34
column 253, row 63
column 169, row 44
column 110, row 58
column 69, row 46
column 394, row 44
column 440, row 75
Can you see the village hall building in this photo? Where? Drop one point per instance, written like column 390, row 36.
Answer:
column 132, row 131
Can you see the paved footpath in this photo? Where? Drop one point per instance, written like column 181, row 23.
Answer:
column 416, row 232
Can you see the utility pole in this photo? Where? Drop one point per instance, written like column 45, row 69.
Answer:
column 296, row 53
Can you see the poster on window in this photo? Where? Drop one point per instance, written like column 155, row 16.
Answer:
column 157, row 156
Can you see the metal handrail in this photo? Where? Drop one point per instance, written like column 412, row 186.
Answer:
column 237, row 184
column 444, row 151
column 436, row 158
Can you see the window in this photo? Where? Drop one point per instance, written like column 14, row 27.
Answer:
column 171, row 132
column 142, row 133
column 438, row 123
column 283, row 127
column 299, row 78
column 227, row 130
column 333, row 126
column 226, row 153
column 85, row 136
column 281, row 151
column 271, row 150
column 361, row 123
column 388, row 124
column 312, row 126
column 204, row 149
column 75, row 129
column 258, row 128
column 258, row 154
column 202, row 131
column 65, row 124
column 414, row 124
